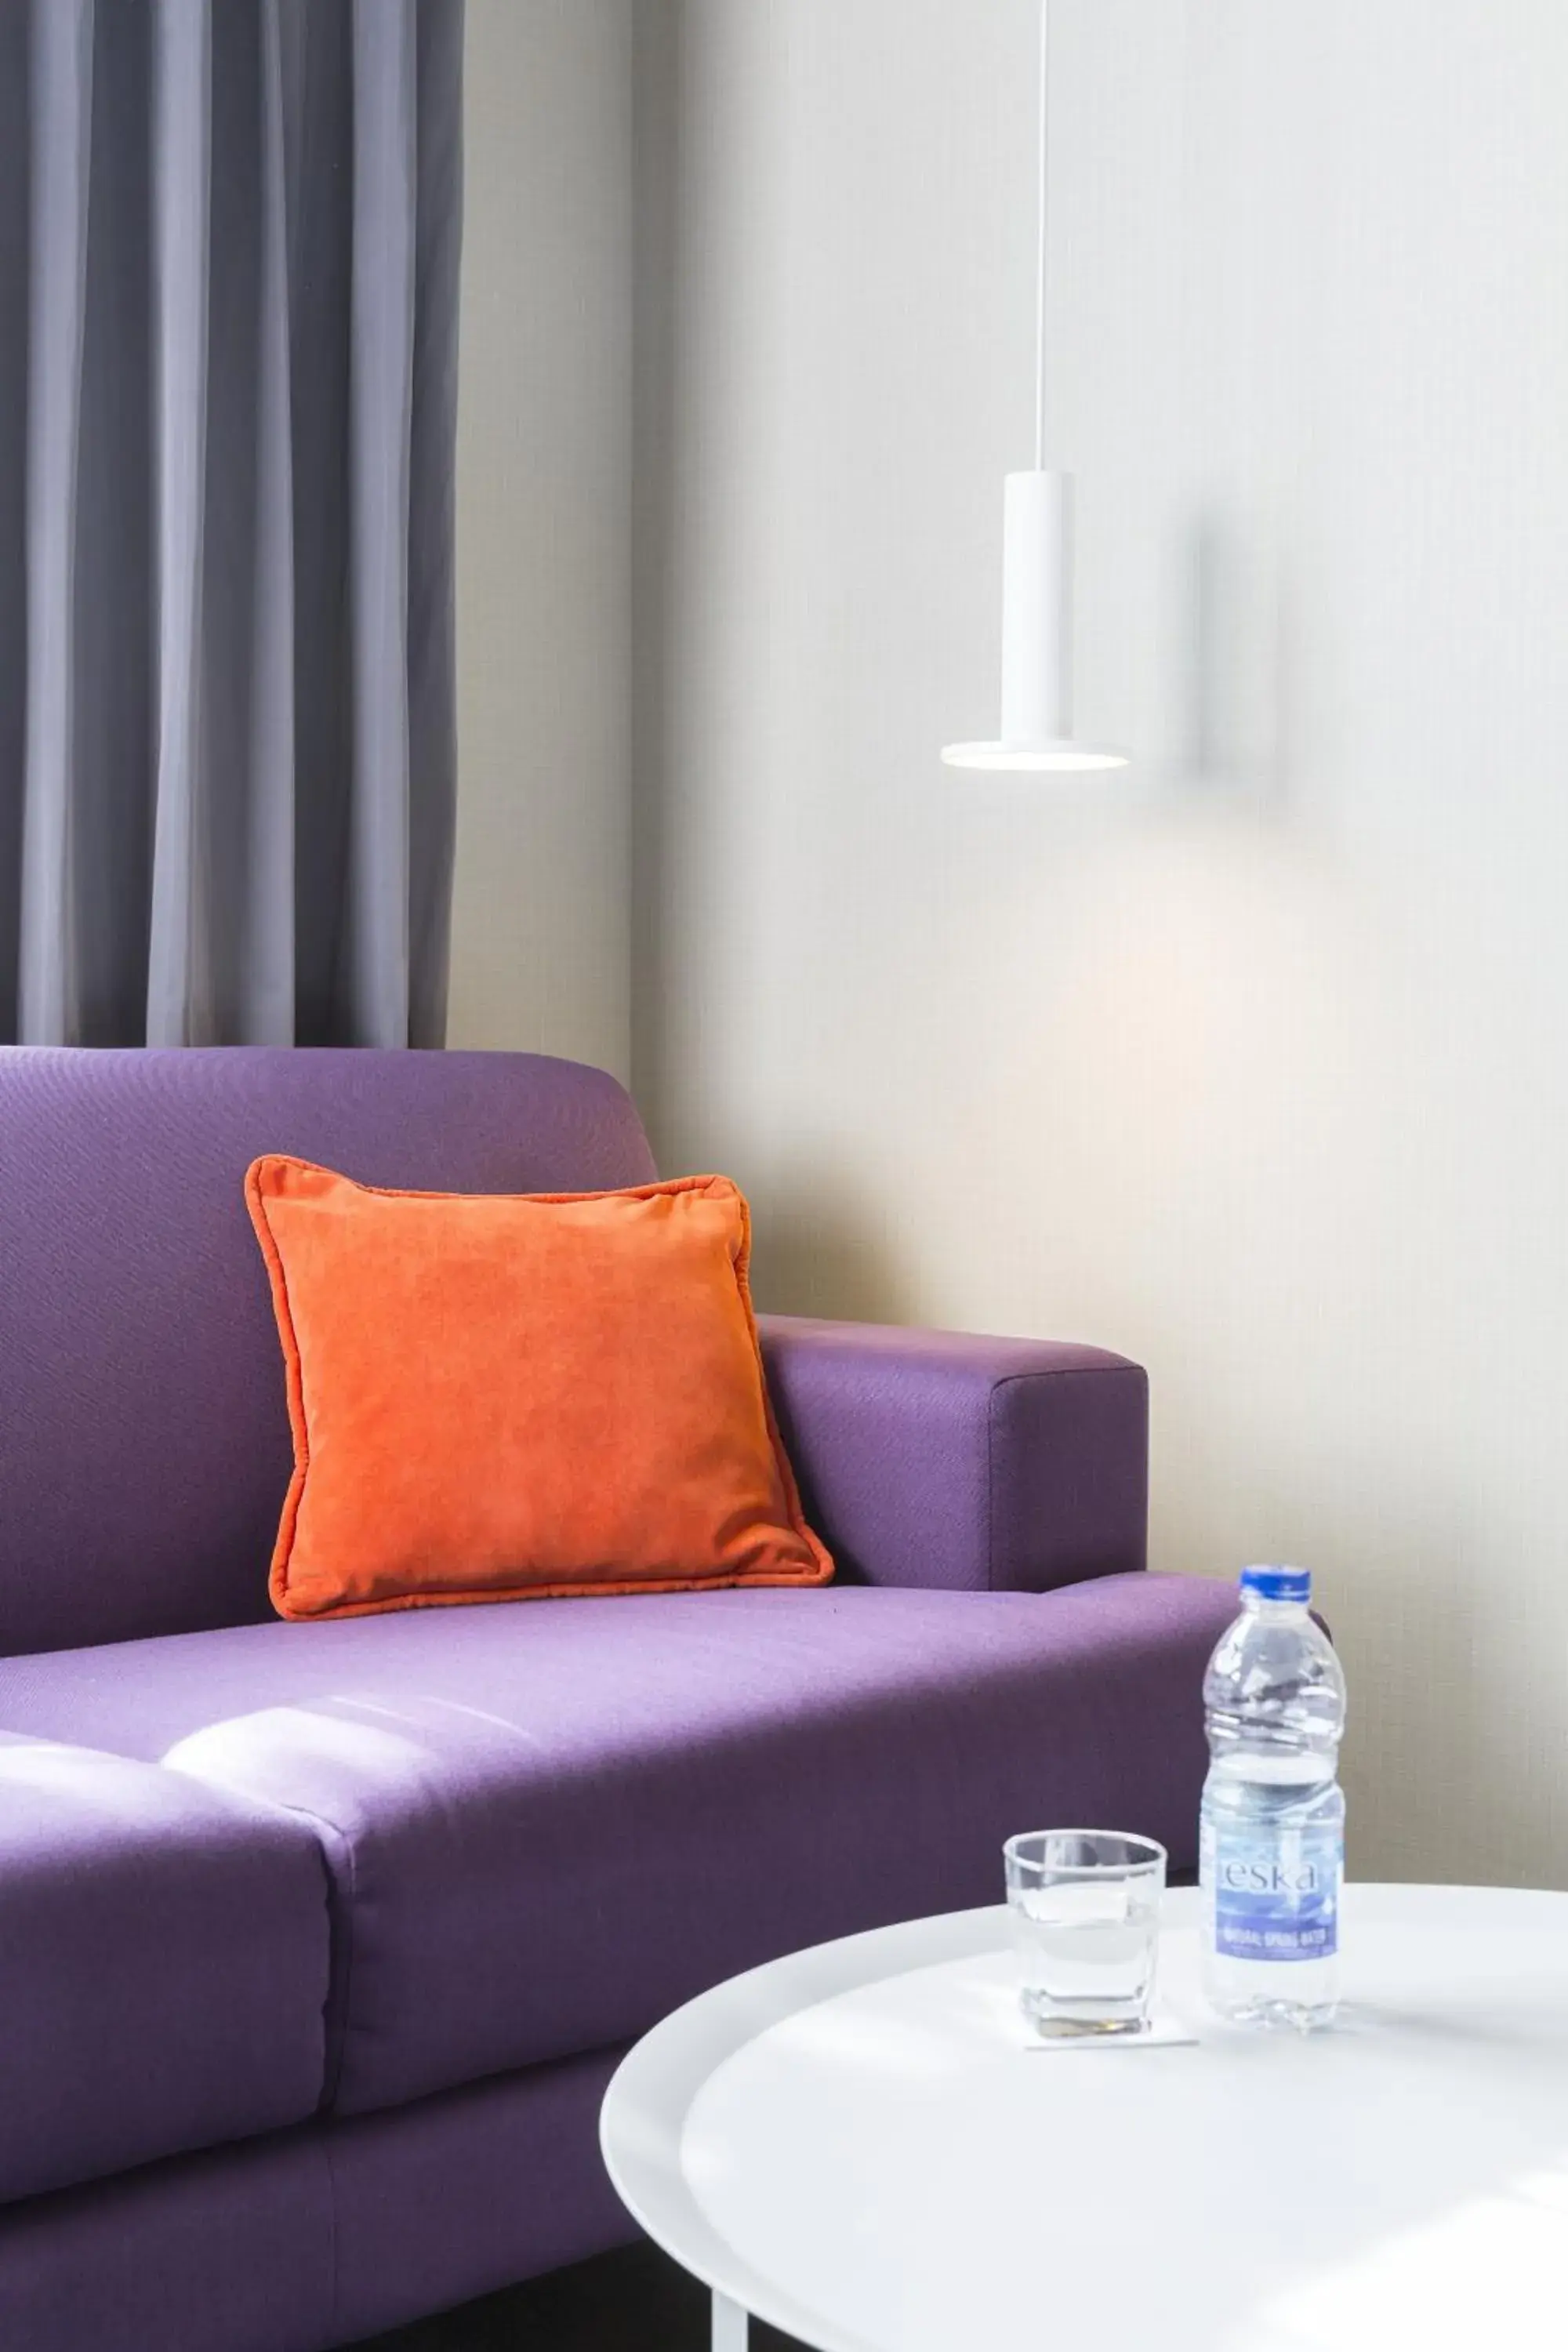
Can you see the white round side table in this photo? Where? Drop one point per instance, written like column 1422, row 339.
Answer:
column 860, row 2144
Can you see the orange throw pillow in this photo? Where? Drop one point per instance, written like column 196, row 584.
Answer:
column 509, row 1397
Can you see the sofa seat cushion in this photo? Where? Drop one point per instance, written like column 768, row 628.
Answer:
column 164, row 1963
column 548, row 1825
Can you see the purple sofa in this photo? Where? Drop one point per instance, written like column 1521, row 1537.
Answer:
column 319, row 1943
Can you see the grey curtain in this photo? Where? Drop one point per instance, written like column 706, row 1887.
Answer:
column 229, row 238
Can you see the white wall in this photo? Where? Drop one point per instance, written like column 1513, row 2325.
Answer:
column 540, row 916
column 1253, row 1064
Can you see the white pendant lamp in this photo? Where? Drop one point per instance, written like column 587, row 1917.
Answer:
column 1037, row 574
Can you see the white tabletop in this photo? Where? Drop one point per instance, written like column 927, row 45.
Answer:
column 859, row 2143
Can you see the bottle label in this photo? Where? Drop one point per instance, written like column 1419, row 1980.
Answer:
column 1275, row 1897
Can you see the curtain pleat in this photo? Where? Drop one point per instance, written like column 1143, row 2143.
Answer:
column 382, row 370
column 230, row 241
column 61, row 117
column 318, row 69
column 432, row 584
column 266, row 977
column 179, row 993
column 16, row 209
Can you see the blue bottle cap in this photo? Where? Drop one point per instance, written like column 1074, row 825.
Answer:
column 1278, row 1583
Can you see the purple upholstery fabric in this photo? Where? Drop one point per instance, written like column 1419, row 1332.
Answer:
column 941, row 1459
column 549, row 1822
column 314, row 2237
column 164, row 1963
column 505, row 2180
column 144, row 1438
column 225, row 2252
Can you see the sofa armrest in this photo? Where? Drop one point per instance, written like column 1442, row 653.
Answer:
column 938, row 1458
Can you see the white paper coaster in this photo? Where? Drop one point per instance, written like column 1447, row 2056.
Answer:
column 1164, row 2029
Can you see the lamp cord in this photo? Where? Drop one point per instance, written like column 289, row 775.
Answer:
column 1043, row 200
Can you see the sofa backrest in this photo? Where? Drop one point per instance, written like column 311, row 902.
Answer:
column 144, row 1442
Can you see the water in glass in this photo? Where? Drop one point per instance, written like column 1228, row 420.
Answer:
column 1086, row 1913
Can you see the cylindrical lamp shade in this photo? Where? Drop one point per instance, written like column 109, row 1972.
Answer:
column 1037, row 609
column 1036, row 637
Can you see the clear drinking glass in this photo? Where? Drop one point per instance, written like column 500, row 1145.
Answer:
column 1086, row 1922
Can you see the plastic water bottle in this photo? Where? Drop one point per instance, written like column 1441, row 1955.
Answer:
column 1272, row 1839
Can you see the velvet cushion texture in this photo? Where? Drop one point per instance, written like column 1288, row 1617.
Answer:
column 500, row 1397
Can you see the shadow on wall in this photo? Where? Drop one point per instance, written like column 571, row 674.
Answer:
column 815, row 1253
column 1242, row 660
column 656, row 395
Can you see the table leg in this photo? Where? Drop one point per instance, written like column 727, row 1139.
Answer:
column 729, row 2325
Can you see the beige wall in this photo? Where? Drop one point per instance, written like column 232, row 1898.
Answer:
column 539, row 921
column 1253, row 1064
